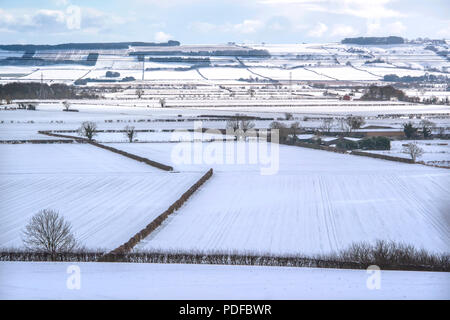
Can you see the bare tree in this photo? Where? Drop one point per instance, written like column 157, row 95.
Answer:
column 246, row 124
column 239, row 124
column 413, row 150
column 139, row 92
column 355, row 122
column 427, row 127
column 326, row 125
column 66, row 105
column 87, row 130
column 288, row 116
column 344, row 127
column 233, row 124
column 49, row 232
column 130, row 133
column 441, row 132
column 162, row 102
column 295, row 129
column 283, row 131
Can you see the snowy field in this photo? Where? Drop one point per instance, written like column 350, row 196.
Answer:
column 318, row 202
column 43, row 280
column 106, row 197
column 434, row 151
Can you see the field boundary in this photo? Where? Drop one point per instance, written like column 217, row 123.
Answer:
column 217, row 258
column 115, row 254
column 123, row 153
column 352, row 152
column 36, row 141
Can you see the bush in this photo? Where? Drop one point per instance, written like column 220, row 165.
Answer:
column 375, row 143
column 392, row 255
column 409, row 130
column 347, row 144
column 112, row 74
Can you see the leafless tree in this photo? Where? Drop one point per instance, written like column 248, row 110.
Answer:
column 66, row 105
column 239, row 124
column 49, row 232
column 162, row 102
column 87, row 130
column 326, row 125
column 355, row 122
column 344, row 127
column 288, row 116
column 246, row 124
column 413, row 150
column 233, row 124
column 295, row 130
column 283, row 131
column 130, row 133
column 427, row 127
column 441, row 132
column 139, row 92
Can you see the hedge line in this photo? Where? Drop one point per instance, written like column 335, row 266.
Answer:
column 35, row 141
column 123, row 153
column 381, row 156
column 419, row 261
column 357, row 153
column 133, row 156
column 126, row 247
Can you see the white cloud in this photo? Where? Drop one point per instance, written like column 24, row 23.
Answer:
column 58, row 21
column 161, row 36
column 445, row 32
column 373, row 27
column 396, row 28
column 248, row 26
column 343, row 31
column 369, row 9
column 318, row 30
column 245, row 27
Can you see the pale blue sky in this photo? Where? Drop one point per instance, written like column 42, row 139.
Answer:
column 219, row 21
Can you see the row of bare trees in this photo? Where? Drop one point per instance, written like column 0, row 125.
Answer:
column 88, row 130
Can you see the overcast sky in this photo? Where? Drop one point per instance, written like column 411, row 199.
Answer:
column 219, row 21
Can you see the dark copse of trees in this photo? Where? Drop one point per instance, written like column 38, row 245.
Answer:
column 347, row 144
column 372, row 143
column 374, row 40
column 443, row 53
column 375, row 143
column 229, row 53
column 383, row 93
column 86, row 46
column 35, row 90
column 81, row 82
column 181, row 59
column 409, row 130
column 112, row 74
column 29, row 59
column 424, row 78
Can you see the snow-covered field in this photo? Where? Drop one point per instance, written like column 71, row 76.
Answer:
column 434, row 151
column 44, row 280
column 285, row 74
column 318, row 202
column 106, row 197
column 326, row 61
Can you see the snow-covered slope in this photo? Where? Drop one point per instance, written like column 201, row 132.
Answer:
column 106, row 197
column 317, row 202
column 44, row 280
